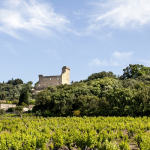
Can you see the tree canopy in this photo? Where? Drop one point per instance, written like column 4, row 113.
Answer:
column 15, row 82
column 2, row 96
column 134, row 71
column 11, row 92
column 102, row 94
column 101, row 75
column 18, row 110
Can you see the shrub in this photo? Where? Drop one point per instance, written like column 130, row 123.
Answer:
column 31, row 102
column 9, row 102
column 11, row 109
column 108, row 146
column 35, row 108
column 15, row 102
column 2, row 111
column 76, row 113
column 38, row 113
column 124, row 145
column 47, row 113
column 19, row 110
column 24, row 104
column 29, row 111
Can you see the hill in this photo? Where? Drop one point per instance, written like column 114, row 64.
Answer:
column 101, row 94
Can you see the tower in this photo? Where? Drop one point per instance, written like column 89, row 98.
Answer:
column 65, row 76
column 45, row 81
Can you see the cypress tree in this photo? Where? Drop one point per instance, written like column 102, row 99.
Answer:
column 23, row 97
column 26, row 94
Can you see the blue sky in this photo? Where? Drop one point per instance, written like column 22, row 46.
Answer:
column 89, row 36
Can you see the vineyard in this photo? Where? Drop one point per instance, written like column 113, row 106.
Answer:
column 103, row 133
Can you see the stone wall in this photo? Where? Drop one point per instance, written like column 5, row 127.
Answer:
column 45, row 81
column 6, row 106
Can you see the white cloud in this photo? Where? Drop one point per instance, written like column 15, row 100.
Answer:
column 97, row 62
column 120, row 58
column 33, row 15
column 116, row 59
column 120, row 14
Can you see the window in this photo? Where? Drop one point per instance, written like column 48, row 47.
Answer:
column 44, row 84
column 50, row 78
column 39, row 85
column 45, row 79
column 57, row 78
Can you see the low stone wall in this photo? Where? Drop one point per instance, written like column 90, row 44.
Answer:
column 6, row 106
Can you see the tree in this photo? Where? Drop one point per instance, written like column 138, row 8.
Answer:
column 9, row 82
column 134, row 71
column 129, row 83
column 2, row 96
column 26, row 100
column 101, row 75
column 43, row 97
column 30, row 82
column 19, row 110
column 24, row 97
column 15, row 82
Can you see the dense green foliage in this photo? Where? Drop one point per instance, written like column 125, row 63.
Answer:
column 2, row 96
column 15, row 82
column 18, row 110
column 102, row 133
column 133, row 71
column 12, row 89
column 2, row 111
column 11, row 109
column 102, row 94
column 101, row 75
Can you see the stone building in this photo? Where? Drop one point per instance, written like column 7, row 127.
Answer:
column 45, row 81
